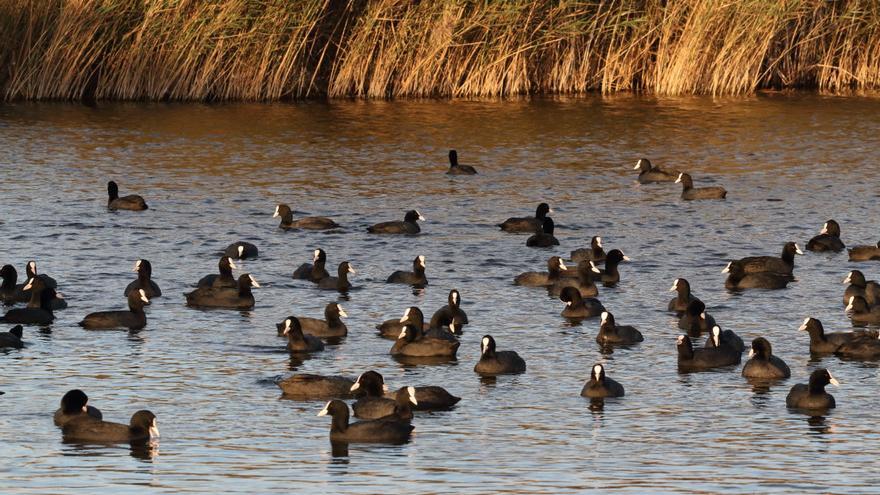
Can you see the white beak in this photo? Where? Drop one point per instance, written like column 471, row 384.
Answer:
column 421, row 217
column 355, row 387
column 593, row 266
column 412, row 395
column 604, row 316
column 674, row 286
column 626, row 258
column 137, row 266
column 232, row 264
column 599, row 241
column 833, row 380
column 824, row 229
column 342, row 312
column 848, row 278
column 638, row 164
column 254, row 281
column 276, row 212
column 727, row 268
column 751, row 353
column 562, row 265
column 143, row 296
column 29, row 284
column 154, row 430
column 351, row 269
column 240, row 251
column 797, row 249
column 678, row 179
column 804, row 324
column 325, row 410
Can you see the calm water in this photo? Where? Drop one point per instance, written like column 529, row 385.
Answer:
column 213, row 174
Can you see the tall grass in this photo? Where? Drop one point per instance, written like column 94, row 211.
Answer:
column 285, row 49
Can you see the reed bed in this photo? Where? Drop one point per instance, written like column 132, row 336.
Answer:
column 263, row 50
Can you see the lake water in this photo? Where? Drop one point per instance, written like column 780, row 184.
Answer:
column 213, row 175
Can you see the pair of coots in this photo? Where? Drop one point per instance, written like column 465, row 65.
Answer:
column 238, row 297
column 331, row 326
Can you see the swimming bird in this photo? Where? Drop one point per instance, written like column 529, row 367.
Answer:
column 241, row 250
column 314, row 271
column 738, row 279
column 456, row 169
column 689, row 192
column 858, row 286
column 12, row 338
column 131, row 202
column 451, row 312
column 416, row 277
column 413, row 343
column 10, row 293
column 393, row 327
column 142, row 428
column 684, row 297
column 369, row 431
column 240, row 297
column 527, row 225
column 493, row 362
column 762, row 364
column 74, row 404
column 612, row 334
column 783, row 265
column 812, row 396
column 311, row 223
column 545, row 237
column 600, row 386
column 555, row 266
column 297, row 341
column 828, row 239
column 825, row 343
column 430, row 398
column 409, row 225
column 313, row 387
column 583, row 282
column 725, row 338
column 695, row 320
column 224, row 279
column 331, row 326
column 133, row 319
column 578, row 307
column 35, row 286
column 690, row 359
column 34, row 316
column 144, row 280
column 610, row 276
column 865, row 253
column 340, row 281
column 866, row 347
column 593, row 253
column 649, row 173
column 374, row 405
column 859, row 312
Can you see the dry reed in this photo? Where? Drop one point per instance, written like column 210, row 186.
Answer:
column 280, row 49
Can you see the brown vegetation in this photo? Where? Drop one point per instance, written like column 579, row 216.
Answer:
column 288, row 49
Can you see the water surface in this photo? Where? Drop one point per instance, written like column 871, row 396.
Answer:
column 213, row 174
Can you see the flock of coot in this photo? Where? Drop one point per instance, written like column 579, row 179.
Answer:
column 385, row 415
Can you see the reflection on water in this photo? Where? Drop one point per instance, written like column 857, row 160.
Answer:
column 213, row 174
